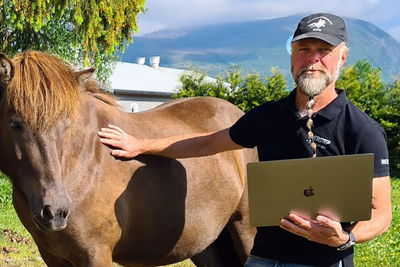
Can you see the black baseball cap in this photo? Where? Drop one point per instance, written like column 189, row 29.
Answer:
column 323, row 26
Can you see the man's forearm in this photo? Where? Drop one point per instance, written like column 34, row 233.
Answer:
column 181, row 146
column 191, row 145
column 381, row 213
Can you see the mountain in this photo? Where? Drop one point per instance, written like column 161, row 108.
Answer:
column 256, row 46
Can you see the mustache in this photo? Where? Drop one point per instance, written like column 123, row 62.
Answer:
column 303, row 72
column 312, row 67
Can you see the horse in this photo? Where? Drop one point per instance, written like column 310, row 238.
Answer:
column 86, row 208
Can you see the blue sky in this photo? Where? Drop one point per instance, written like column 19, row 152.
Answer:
column 178, row 13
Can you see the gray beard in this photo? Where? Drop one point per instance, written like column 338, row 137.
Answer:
column 312, row 86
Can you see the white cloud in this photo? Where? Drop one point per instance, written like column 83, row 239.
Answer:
column 372, row 1
column 395, row 33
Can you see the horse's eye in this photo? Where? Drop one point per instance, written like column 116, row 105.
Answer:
column 15, row 125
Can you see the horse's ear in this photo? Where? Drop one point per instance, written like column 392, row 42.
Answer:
column 84, row 75
column 6, row 71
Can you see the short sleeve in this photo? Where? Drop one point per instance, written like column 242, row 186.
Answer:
column 246, row 131
column 373, row 140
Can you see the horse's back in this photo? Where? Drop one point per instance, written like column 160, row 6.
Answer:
column 196, row 114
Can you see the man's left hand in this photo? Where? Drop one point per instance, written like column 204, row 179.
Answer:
column 322, row 230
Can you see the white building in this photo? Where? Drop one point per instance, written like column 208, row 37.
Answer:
column 140, row 86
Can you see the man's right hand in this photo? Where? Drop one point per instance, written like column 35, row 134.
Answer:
column 125, row 145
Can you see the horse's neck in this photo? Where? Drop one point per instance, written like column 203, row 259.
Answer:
column 89, row 163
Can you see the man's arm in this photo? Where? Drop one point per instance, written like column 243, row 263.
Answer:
column 381, row 212
column 329, row 232
column 180, row 146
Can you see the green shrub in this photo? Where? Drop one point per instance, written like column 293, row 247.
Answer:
column 5, row 190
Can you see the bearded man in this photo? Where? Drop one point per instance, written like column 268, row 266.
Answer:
column 291, row 128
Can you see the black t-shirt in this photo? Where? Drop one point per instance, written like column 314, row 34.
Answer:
column 279, row 132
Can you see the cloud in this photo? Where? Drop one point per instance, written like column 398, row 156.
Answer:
column 395, row 33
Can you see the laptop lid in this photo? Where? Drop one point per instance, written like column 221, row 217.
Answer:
column 339, row 187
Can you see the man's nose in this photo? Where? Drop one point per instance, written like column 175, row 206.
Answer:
column 315, row 57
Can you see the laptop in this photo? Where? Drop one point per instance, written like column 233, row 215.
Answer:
column 339, row 187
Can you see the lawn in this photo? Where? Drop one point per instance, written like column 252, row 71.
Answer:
column 17, row 249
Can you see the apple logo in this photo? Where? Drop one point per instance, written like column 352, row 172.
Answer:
column 309, row 192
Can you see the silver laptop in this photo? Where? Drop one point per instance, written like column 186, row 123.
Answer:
column 339, row 187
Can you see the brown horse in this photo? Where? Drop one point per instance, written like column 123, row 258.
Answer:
column 84, row 207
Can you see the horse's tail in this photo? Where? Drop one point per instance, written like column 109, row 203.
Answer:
column 221, row 253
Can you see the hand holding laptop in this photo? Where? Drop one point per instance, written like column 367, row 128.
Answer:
column 322, row 230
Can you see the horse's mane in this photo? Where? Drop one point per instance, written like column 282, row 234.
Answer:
column 45, row 89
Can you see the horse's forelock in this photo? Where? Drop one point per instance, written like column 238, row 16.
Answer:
column 43, row 90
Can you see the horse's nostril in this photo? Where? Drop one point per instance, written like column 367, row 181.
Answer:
column 47, row 214
column 64, row 214
column 52, row 218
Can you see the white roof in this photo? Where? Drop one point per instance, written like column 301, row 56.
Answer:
column 133, row 77
column 137, row 77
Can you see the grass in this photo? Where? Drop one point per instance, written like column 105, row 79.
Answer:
column 17, row 249
column 385, row 250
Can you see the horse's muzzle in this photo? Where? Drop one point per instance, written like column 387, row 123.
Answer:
column 51, row 219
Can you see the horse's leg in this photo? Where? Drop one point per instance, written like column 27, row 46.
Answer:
column 221, row 253
column 239, row 227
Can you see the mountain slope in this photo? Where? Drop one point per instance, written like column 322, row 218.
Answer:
column 256, row 46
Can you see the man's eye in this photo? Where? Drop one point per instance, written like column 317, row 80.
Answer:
column 325, row 50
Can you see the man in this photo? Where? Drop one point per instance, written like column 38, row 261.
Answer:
column 316, row 119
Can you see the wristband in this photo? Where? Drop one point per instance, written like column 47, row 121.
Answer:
column 350, row 243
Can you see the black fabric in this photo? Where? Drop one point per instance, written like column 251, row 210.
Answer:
column 221, row 253
column 323, row 26
column 279, row 132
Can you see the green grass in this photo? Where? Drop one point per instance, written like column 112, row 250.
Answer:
column 17, row 249
column 385, row 250
column 5, row 190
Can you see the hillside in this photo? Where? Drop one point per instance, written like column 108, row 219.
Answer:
column 256, row 46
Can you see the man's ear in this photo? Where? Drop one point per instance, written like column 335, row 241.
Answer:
column 6, row 72
column 343, row 57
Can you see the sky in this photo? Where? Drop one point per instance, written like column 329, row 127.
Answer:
column 181, row 13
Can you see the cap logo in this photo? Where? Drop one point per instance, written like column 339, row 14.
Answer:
column 321, row 23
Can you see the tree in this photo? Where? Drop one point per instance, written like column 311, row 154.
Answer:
column 195, row 83
column 255, row 91
column 381, row 102
column 364, row 87
column 83, row 32
column 391, row 123
column 245, row 93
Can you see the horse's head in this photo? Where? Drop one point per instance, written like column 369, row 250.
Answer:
column 39, row 99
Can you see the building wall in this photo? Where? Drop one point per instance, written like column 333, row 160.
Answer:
column 140, row 103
